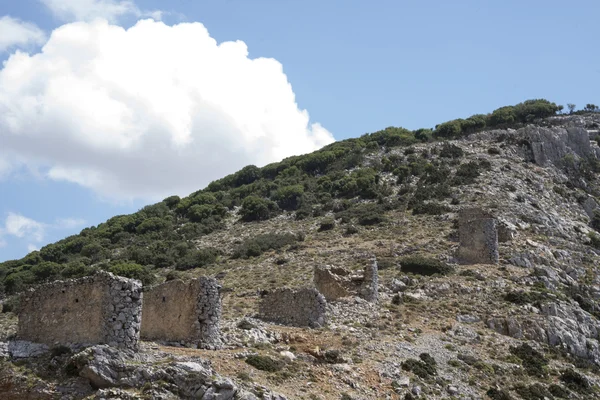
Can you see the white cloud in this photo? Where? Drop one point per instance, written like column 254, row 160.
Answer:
column 20, row 226
column 69, row 223
column 148, row 111
column 88, row 10
column 2, row 243
column 84, row 10
column 32, row 247
column 14, row 32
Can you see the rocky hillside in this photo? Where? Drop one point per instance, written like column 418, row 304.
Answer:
column 527, row 328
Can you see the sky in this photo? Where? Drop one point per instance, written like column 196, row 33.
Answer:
column 110, row 105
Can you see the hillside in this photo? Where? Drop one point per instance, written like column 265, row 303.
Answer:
column 526, row 328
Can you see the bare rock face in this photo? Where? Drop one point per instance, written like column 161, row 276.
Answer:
column 561, row 324
column 550, row 145
column 112, row 369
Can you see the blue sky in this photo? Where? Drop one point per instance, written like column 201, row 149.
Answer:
column 354, row 66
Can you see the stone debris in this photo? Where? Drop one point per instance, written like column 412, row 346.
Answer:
column 338, row 282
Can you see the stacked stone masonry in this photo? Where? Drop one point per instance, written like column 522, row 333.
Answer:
column 337, row 282
column 296, row 307
column 178, row 311
column 98, row 309
column 478, row 237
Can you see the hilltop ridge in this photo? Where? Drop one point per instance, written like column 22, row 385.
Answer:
column 527, row 327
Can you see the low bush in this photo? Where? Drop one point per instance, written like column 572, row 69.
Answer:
column 264, row 363
column 451, row 151
column 424, row 266
column 559, row 391
column 498, row 394
column 134, row 271
column 424, row 368
column 197, row 258
column 254, row 247
column 431, row 208
column 327, row 224
column 537, row 391
column 534, row 362
column 521, row 297
column 575, row 381
column 365, row 214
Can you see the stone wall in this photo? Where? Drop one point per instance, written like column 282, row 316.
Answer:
column 178, row 311
column 336, row 282
column 101, row 308
column 296, row 307
column 478, row 237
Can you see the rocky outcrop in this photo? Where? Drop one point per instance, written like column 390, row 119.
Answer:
column 561, row 324
column 161, row 375
column 550, row 145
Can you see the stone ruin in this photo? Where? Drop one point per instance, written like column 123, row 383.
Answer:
column 297, row 307
column 336, row 282
column 188, row 312
column 478, row 237
column 98, row 309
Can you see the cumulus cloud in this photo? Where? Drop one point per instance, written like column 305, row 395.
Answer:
column 17, row 33
column 148, row 111
column 21, row 226
column 85, row 10
column 32, row 247
column 69, row 223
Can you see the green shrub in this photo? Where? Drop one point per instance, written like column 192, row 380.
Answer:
column 365, row 214
column 575, row 381
column 534, row 362
column 134, row 271
column 537, row 391
column 264, row 363
column 255, row 209
column 327, row 224
column 466, row 174
column 521, row 297
column 351, row 230
column 197, row 258
column 424, row 368
column 76, row 269
column 424, row 266
column 288, row 197
column 10, row 304
column 254, row 247
column 449, row 150
column 559, row 391
column 431, row 208
column 450, row 129
column 498, row 394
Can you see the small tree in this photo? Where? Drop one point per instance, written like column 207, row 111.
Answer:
column 591, row 108
column 571, row 107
